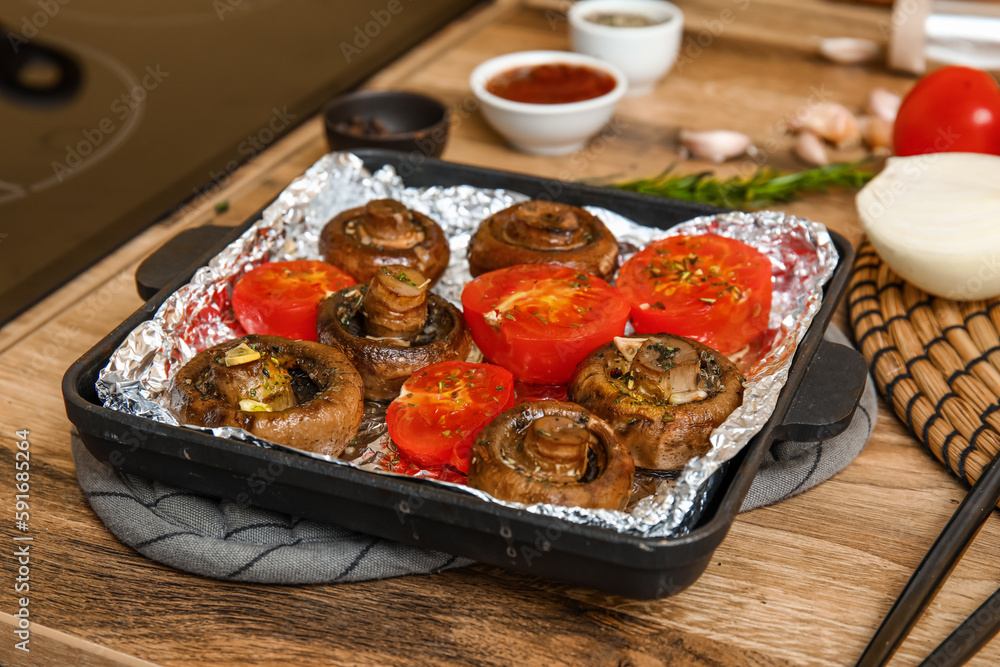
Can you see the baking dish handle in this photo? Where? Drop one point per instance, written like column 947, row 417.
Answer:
column 175, row 256
column 829, row 394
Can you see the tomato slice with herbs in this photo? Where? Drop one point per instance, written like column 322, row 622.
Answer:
column 711, row 288
column 540, row 320
column 282, row 298
column 443, row 407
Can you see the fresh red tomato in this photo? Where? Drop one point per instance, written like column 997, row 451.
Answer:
column 282, row 298
column 711, row 288
column 951, row 110
column 443, row 407
column 540, row 320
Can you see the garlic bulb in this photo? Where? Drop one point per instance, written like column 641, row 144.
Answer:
column 715, row 145
column 933, row 219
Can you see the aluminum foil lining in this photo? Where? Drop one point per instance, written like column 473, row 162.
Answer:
column 198, row 315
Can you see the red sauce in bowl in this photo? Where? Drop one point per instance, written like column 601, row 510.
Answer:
column 551, row 84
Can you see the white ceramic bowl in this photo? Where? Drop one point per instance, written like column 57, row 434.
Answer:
column 545, row 129
column 644, row 54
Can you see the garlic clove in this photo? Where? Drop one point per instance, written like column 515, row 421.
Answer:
column 241, row 354
column 682, row 397
column 810, row 149
column 848, row 50
column 877, row 133
column 715, row 145
column 883, row 104
column 831, row 121
column 629, row 347
column 250, row 405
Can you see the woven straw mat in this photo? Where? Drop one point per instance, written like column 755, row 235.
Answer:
column 935, row 361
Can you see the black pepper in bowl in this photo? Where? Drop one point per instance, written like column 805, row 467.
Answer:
column 395, row 120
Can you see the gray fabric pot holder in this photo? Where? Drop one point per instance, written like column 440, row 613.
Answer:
column 225, row 540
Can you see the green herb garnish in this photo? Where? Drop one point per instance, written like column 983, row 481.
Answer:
column 767, row 186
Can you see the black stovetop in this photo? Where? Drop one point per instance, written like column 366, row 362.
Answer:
column 113, row 112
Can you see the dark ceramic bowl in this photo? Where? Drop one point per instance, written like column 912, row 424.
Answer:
column 390, row 119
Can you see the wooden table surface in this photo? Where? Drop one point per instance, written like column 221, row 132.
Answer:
column 803, row 582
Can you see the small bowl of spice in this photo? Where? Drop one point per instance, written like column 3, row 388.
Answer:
column 547, row 102
column 640, row 37
column 392, row 119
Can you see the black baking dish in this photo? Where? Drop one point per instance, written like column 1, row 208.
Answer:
column 823, row 388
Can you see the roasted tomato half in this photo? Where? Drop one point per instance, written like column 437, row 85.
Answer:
column 540, row 320
column 711, row 288
column 443, row 407
column 282, row 298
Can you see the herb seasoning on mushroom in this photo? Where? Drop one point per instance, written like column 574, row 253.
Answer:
column 293, row 392
column 383, row 232
column 663, row 393
column 392, row 327
column 544, row 232
column 552, row 452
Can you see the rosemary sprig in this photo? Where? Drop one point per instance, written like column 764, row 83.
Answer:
column 767, row 186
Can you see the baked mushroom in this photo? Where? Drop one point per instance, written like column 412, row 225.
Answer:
column 552, row 452
column 544, row 232
column 663, row 394
column 383, row 232
column 393, row 327
column 293, row 392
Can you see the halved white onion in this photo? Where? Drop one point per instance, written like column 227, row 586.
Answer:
column 935, row 220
